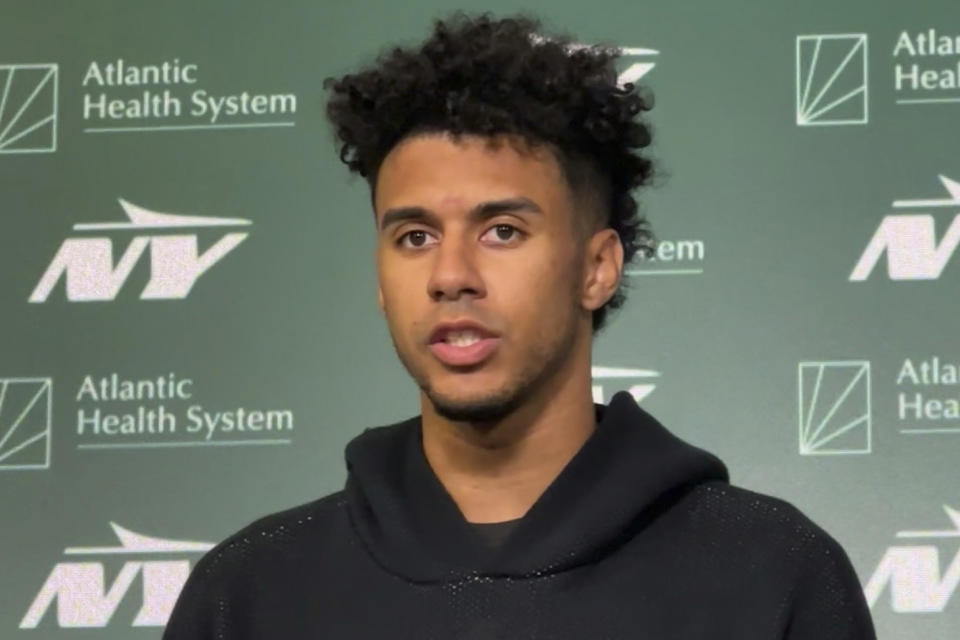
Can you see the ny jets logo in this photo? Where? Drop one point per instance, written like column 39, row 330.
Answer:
column 910, row 242
column 912, row 571
column 639, row 382
column 641, row 63
column 175, row 261
column 82, row 596
column 639, row 59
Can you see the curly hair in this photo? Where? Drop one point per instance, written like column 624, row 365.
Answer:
column 490, row 77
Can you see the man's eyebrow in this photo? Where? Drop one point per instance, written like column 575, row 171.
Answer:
column 489, row 209
column 479, row 213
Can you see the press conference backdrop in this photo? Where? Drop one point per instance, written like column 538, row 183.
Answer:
column 189, row 333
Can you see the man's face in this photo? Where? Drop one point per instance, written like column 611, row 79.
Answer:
column 469, row 233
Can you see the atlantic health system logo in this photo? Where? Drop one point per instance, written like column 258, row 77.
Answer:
column 175, row 261
column 909, row 239
column 25, row 418
column 82, row 597
column 834, row 401
column 831, row 79
column 28, row 108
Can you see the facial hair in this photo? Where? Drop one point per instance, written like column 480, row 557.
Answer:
column 543, row 360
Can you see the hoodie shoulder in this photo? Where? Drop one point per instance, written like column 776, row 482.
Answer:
column 236, row 562
column 281, row 527
column 748, row 512
column 769, row 531
column 740, row 532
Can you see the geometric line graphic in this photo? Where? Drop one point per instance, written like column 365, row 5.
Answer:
column 831, row 82
column 25, row 419
column 834, row 407
column 28, row 108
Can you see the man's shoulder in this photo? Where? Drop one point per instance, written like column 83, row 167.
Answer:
column 260, row 540
column 785, row 552
column 717, row 497
column 269, row 550
column 765, row 520
column 319, row 510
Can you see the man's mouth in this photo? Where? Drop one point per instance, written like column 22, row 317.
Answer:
column 462, row 338
column 461, row 346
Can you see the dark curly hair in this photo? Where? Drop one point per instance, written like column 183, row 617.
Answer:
column 485, row 76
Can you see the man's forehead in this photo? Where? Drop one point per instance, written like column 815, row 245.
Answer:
column 453, row 201
column 439, row 151
column 457, row 173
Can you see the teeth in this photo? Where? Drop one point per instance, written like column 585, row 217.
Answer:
column 462, row 338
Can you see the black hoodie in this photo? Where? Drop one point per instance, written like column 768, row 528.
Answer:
column 640, row 536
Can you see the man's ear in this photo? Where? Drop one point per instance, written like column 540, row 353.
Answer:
column 380, row 299
column 603, row 268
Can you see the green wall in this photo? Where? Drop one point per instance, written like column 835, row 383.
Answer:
column 757, row 343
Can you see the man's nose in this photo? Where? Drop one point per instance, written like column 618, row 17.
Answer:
column 454, row 271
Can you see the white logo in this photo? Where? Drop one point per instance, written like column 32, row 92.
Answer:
column 672, row 258
column 634, row 71
column 25, row 409
column 913, row 572
column 832, row 79
column 834, row 399
column 175, row 263
column 910, row 240
column 83, row 599
column 639, row 391
column 926, row 68
column 28, row 108
column 638, row 69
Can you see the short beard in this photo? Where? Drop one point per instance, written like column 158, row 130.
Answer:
column 483, row 412
column 487, row 412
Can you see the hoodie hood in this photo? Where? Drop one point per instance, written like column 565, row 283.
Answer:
column 625, row 474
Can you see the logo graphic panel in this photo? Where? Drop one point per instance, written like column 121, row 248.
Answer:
column 25, row 417
column 832, row 79
column 28, row 108
column 834, row 400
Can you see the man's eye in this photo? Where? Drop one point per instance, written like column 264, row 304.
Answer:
column 417, row 239
column 505, row 232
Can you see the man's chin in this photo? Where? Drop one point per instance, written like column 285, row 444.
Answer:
column 483, row 408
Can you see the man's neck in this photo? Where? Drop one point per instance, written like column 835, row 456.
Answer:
column 497, row 474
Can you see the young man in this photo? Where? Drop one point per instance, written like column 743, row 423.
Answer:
column 501, row 166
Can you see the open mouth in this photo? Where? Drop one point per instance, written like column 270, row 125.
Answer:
column 464, row 347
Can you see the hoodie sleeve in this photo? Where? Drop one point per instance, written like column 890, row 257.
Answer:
column 829, row 603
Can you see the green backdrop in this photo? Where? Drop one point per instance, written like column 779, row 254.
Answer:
column 188, row 325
